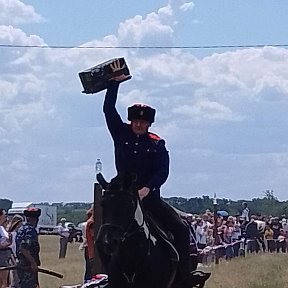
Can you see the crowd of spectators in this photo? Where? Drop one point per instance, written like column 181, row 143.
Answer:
column 235, row 235
column 220, row 236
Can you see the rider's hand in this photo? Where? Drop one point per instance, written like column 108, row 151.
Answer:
column 143, row 192
column 116, row 66
column 121, row 77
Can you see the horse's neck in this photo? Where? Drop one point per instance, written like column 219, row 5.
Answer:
column 140, row 219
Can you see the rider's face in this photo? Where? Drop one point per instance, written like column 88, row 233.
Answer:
column 140, row 127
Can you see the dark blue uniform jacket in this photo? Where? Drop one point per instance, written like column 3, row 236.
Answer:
column 145, row 155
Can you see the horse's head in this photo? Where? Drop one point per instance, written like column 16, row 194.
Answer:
column 119, row 203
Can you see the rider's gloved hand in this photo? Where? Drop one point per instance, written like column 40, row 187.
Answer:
column 143, row 192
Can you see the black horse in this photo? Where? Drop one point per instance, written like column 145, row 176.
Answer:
column 132, row 250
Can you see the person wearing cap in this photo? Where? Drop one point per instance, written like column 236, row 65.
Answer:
column 28, row 249
column 64, row 233
column 141, row 152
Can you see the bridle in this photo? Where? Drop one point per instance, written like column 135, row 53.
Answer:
column 130, row 228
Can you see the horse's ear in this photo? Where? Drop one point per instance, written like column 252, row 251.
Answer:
column 100, row 178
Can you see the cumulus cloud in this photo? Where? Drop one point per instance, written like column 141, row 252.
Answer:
column 206, row 109
column 15, row 60
column 14, row 12
column 180, row 3
column 153, row 29
column 204, row 105
column 147, row 31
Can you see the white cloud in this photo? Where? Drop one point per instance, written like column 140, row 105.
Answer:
column 165, row 11
column 15, row 60
column 187, row 6
column 206, row 109
column 203, row 108
column 149, row 31
column 16, row 12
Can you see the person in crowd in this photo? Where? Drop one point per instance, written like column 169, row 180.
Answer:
column 206, row 221
column 220, row 251
column 210, row 241
column 140, row 152
column 89, row 233
column 268, row 236
column 208, row 257
column 64, row 233
column 276, row 226
column 5, row 250
column 14, row 225
column 285, row 226
column 252, row 236
column 227, row 238
column 242, row 226
column 245, row 212
column 201, row 234
column 282, row 246
column 28, row 249
column 84, row 246
column 261, row 222
column 236, row 235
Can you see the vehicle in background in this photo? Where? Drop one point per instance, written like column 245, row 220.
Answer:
column 81, row 226
column 47, row 219
column 75, row 232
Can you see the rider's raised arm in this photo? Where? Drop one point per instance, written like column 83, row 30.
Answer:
column 161, row 166
column 113, row 119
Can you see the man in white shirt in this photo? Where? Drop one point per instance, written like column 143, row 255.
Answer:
column 245, row 212
column 64, row 233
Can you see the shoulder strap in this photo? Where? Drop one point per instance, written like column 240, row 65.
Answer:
column 154, row 136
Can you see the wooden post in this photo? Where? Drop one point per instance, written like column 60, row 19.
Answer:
column 97, row 223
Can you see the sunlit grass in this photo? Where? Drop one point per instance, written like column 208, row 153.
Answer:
column 72, row 267
column 253, row 271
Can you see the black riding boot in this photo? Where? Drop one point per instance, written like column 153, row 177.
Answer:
column 181, row 240
column 172, row 222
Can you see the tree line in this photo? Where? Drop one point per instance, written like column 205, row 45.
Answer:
column 267, row 205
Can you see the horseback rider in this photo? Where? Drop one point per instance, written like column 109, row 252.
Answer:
column 143, row 153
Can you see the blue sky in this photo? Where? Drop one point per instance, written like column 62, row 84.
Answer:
column 222, row 112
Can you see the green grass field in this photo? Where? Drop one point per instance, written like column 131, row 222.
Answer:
column 253, row 271
column 72, row 267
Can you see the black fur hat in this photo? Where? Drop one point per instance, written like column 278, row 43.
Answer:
column 32, row 212
column 141, row 112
